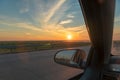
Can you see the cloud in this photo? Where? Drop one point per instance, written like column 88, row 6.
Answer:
column 76, row 28
column 21, row 25
column 1, row 30
column 117, row 19
column 24, row 6
column 5, row 23
column 50, row 31
column 24, row 10
column 59, row 29
column 70, row 16
column 28, row 34
column 50, row 28
column 53, row 10
column 28, row 26
column 50, row 12
column 66, row 21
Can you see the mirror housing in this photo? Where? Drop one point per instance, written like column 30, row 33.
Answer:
column 71, row 57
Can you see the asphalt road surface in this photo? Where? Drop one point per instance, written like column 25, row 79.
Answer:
column 35, row 66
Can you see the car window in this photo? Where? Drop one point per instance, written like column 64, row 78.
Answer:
column 40, row 20
column 116, row 33
column 31, row 32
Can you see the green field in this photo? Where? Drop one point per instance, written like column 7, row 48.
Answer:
column 8, row 47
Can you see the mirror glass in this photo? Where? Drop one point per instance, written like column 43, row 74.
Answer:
column 72, row 58
column 65, row 56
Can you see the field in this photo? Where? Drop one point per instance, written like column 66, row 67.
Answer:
column 7, row 47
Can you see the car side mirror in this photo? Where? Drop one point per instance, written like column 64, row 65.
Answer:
column 71, row 57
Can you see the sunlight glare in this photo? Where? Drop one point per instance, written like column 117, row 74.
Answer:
column 69, row 37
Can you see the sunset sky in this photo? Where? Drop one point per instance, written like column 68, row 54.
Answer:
column 46, row 20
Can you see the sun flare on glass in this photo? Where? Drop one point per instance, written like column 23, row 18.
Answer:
column 69, row 37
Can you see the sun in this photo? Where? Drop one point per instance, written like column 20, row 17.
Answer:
column 69, row 37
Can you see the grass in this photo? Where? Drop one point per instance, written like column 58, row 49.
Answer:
column 8, row 47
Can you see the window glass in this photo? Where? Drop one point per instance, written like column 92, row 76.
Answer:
column 116, row 33
column 40, row 20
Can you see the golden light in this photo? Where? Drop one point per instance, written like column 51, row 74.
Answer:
column 69, row 37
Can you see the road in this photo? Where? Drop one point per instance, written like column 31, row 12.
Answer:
column 37, row 65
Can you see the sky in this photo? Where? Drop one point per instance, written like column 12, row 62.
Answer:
column 45, row 20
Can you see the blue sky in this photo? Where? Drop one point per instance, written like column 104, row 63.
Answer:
column 45, row 20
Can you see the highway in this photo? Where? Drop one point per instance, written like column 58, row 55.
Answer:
column 37, row 65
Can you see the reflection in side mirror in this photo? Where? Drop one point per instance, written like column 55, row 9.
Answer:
column 73, row 58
